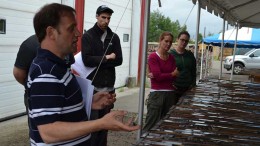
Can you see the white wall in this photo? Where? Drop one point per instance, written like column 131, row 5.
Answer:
column 19, row 26
column 135, row 40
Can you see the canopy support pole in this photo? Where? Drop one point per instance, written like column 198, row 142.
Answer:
column 221, row 50
column 196, row 51
column 146, row 4
column 197, row 32
column 234, row 54
column 201, row 60
column 206, row 61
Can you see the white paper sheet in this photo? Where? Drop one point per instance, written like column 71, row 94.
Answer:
column 80, row 68
column 87, row 93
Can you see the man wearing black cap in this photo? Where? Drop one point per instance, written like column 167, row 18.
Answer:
column 101, row 45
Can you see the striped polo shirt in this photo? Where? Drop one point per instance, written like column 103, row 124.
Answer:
column 54, row 95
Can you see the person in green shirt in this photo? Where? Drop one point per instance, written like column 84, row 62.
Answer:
column 186, row 64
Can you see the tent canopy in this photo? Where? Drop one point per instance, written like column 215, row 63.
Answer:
column 244, row 12
column 247, row 38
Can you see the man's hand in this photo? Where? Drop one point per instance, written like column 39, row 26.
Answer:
column 111, row 56
column 102, row 99
column 114, row 121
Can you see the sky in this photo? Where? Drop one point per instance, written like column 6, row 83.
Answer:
column 180, row 9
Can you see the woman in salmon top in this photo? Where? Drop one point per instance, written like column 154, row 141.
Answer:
column 162, row 72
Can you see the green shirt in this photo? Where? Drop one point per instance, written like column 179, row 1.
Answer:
column 186, row 64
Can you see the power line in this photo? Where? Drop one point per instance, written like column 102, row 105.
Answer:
column 188, row 15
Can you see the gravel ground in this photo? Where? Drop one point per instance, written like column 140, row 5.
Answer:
column 15, row 133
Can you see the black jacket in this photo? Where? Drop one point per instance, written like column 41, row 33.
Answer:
column 92, row 52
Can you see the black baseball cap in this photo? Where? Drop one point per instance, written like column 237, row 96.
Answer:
column 104, row 9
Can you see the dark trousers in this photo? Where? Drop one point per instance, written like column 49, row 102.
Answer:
column 158, row 105
column 26, row 101
column 181, row 91
column 99, row 138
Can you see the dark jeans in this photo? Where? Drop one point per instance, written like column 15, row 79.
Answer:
column 99, row 138
column 26, row 101
column 26, row 98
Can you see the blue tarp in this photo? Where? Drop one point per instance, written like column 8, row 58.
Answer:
column 247, row 38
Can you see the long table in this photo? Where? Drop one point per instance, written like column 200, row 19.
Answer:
column 217, row 112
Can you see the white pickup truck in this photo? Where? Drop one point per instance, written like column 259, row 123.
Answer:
column 251, row 60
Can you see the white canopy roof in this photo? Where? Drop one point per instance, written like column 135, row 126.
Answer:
column 245, row 12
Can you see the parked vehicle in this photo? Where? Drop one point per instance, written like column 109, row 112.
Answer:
column 251, row 60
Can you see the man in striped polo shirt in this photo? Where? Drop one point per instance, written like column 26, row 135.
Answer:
column 57, row 114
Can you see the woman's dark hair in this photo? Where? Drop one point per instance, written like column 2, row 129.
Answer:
column 183, row 32
column 49, row 15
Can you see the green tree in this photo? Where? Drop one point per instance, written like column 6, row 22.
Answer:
column 159, row 23
column 200, row 37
